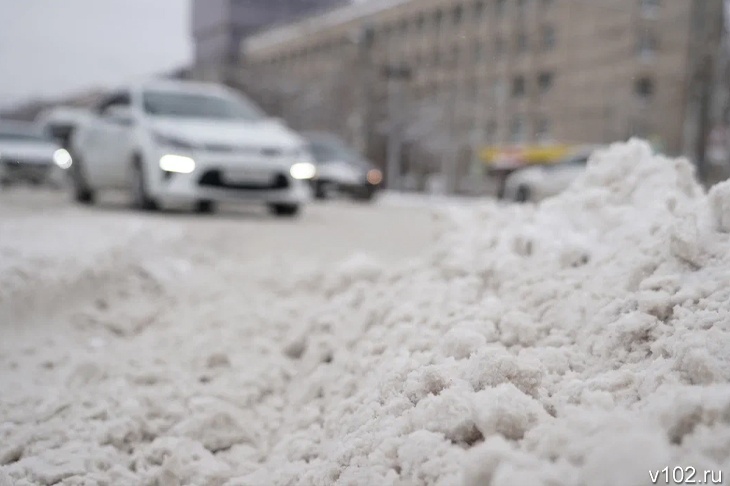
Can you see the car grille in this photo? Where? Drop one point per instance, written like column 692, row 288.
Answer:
column 212, row 178
column 24, row 162
column 25, row 170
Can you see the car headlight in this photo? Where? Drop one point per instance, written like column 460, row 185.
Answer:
column 303, row 170
column 172, row 142
column 374, row 177
column 177, row 163
column 62, row 158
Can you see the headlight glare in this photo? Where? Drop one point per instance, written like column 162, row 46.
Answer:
column 177, row 163
column 62, row 158
column 303, row 171
column 375, row 177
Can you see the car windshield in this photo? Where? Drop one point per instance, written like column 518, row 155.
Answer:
column 578, row 161
column 198, row 105
column 325, row 151
column 24, row 135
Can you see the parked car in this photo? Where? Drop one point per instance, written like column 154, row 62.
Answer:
column 341, row 169
column 60, row 122
column 539, row 182
column 28, row 155
column 169, row 142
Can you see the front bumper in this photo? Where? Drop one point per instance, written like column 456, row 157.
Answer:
column 231, row 178
column 25, row 171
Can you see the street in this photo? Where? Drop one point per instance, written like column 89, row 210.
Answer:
column 414, row 341
column 91, row 294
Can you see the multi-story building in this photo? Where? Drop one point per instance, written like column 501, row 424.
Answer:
column 219, row 25
column 487, row 72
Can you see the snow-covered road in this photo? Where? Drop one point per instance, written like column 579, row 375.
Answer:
column 581, row 342
column 169, row 303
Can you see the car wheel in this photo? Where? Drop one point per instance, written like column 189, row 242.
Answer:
column 287, row 210
column 140, row 195
column 523, row 194
column 81, row 191
column 205, row 206
column 324, row 190
column 367, row 194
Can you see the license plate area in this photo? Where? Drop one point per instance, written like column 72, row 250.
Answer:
column 247, row 176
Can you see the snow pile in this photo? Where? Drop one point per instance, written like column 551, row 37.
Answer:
column 584, row 341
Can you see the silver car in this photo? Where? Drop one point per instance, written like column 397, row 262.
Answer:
column 27, row 154
column 540, row 182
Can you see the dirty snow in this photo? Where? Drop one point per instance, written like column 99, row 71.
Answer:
column 583, row 341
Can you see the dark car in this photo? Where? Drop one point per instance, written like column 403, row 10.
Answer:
column 341, row 169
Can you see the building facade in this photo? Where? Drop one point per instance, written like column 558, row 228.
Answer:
column 218, row 26
column 475, row 73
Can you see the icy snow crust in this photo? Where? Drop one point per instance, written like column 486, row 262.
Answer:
column 584, row 341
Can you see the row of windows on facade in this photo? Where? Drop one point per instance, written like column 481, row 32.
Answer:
column 646, row 47
column 477, row 10
column 542, row 130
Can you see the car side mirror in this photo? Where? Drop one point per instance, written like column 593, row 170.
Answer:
column 119, row 115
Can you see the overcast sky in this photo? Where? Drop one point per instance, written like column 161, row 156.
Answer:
column 55, row 47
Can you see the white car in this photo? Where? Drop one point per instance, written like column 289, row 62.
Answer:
column 539, row 182
column 29, row 155
column 169, row 142
column 60, row 122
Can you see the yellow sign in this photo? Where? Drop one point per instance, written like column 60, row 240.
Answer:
column 536, row 154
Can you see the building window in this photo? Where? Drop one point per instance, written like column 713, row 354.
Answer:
column 644, row 88
column 438, row 17
column 403, row 27
column 455, row 54
column 647, row 45
column 420, row 22
column 478, row 9
column 545, row 81
column 517, row 130
column 547, row 3
column 650, row 8
column 501, row 7
column 490, row 131
column 478, row 50
column 522, row 5
column 542, row 130
column 499, row 46
column 521, row 43
column 458, row 14
column 500, row 94
column 518, row 86
column 548, row 38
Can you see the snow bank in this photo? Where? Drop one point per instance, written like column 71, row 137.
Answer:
column 51, row 257
column 583, row 341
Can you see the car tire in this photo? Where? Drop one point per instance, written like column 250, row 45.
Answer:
column 141, row 198
column 323, row 190
column 285, row 210
column 367, row 194
column 523, row 194
column 205, row 206
column 81, row 191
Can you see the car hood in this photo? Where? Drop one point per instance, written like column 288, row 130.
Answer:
column 265, row 133
column 24, row 149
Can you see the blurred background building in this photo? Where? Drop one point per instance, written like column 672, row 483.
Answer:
column 449, row 78
column 429, row 89
column 218, row 26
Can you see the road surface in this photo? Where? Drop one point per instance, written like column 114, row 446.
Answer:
column 91, row 294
